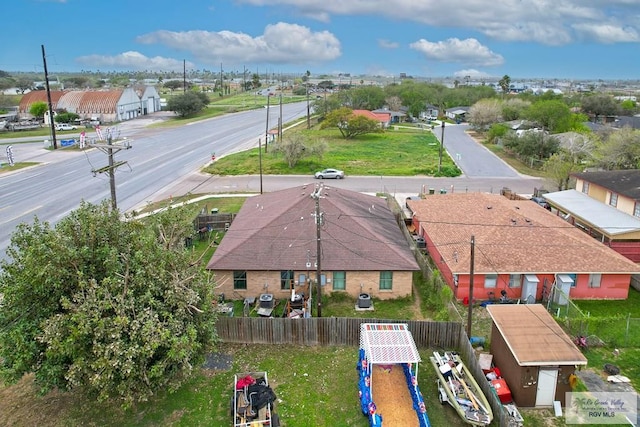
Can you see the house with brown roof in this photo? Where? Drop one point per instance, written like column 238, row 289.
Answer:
column 272, row 246
column 534, row 355
column 519, row 248
column 105, row 105
column 605, row 205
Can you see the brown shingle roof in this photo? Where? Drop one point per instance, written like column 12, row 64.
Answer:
column 511, row 236
column 39, row 96
column 533, row 337
column 277, row 231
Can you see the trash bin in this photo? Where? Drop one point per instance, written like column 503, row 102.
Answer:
column 47, row 143
column 443, row 191
column 432, row 191
column 214, row 211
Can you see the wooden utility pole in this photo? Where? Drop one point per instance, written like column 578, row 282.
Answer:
column 470, row 311
column 46, row 83
column 441, row 145
column 319, row 221
column 266, row 132
column 110, row 149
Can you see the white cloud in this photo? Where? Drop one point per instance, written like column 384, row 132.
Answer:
column 468, row 51
column 607, row 33
column 132, row 60
column 550, row 22
column 386, row 44
column 472, row 73
column 281, row 43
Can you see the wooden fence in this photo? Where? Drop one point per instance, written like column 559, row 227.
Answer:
column 328, row 331
column 343, row 331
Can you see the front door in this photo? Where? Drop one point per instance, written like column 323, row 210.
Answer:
column 547, row 379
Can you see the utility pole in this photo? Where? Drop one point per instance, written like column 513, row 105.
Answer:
column 46, row 83
column 470, row 312
column 266, row 132
column 280, row 120
column 319, row 222
column 184, row 76
column 221, row 85
column 260, row 162
column 441, row 144
column 109, row 149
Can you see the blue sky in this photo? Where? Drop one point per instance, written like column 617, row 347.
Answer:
column 565, row 39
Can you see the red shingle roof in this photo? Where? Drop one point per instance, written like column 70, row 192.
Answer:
column 511, row 236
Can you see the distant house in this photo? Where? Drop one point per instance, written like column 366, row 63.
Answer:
column 383, row 118
column 605, row 205
column 534, row 355
column 457, row 113
column 520, row 248
column 106, row 106
column 395, row 116
column 272, row 245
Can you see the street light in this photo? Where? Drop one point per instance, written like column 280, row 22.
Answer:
column 441, row 144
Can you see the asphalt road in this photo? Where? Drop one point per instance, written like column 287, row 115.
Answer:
column 166, row 162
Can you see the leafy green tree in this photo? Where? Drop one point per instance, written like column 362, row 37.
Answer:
column 116, row 308
column 600, row 105
column 24, row 83
column 576, row 152
column 532, row 147
column 323, row 106
column 629, row 107
column 514, row 109
column 350, row 125
column 38, row 109
column 66, row 117
column 187, row 104
column 553, row 115
column 496, row 131
column 363, row 98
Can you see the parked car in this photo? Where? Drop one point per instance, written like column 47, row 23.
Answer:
column 330, row 173
column 65, row 126
column 542, row 202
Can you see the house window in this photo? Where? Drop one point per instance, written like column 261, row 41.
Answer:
column 339, row 280
column 490, row 280
column 302, row 279
column 636, row 210
column 286, row 279
column 386, row 280
column 594, row 280
column 574, row 278
column 585, row 187
column 239, row 280
column 515, row 280
column 613, row 201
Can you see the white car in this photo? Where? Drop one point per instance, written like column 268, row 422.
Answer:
column 65, row 126
column 330, row 173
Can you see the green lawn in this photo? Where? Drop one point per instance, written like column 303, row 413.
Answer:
column 316, row 387
column 406, row 152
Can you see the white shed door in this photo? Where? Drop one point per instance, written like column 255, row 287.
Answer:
column 547, row 379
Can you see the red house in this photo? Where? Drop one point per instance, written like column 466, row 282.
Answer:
column 521, row 250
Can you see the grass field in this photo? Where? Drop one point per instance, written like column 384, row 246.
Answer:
column 392, row 153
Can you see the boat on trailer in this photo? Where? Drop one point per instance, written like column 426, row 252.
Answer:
column 457, row 387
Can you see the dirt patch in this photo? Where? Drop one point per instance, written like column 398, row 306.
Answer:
column 391, row 396
column 477, row 137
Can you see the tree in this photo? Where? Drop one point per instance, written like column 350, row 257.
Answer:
column 295, row 147
column 484, row 113
column 576, row 152
column 600, row 105
column 38, row 109
column 349, row 124
column 24, row 84
column 394, row 103
column 621, row 150
column 553, row 115
column 187, row 104
column 505, row 83
column 176, row 84
column 514, row 109
column 116, row 308
column 532, row 147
